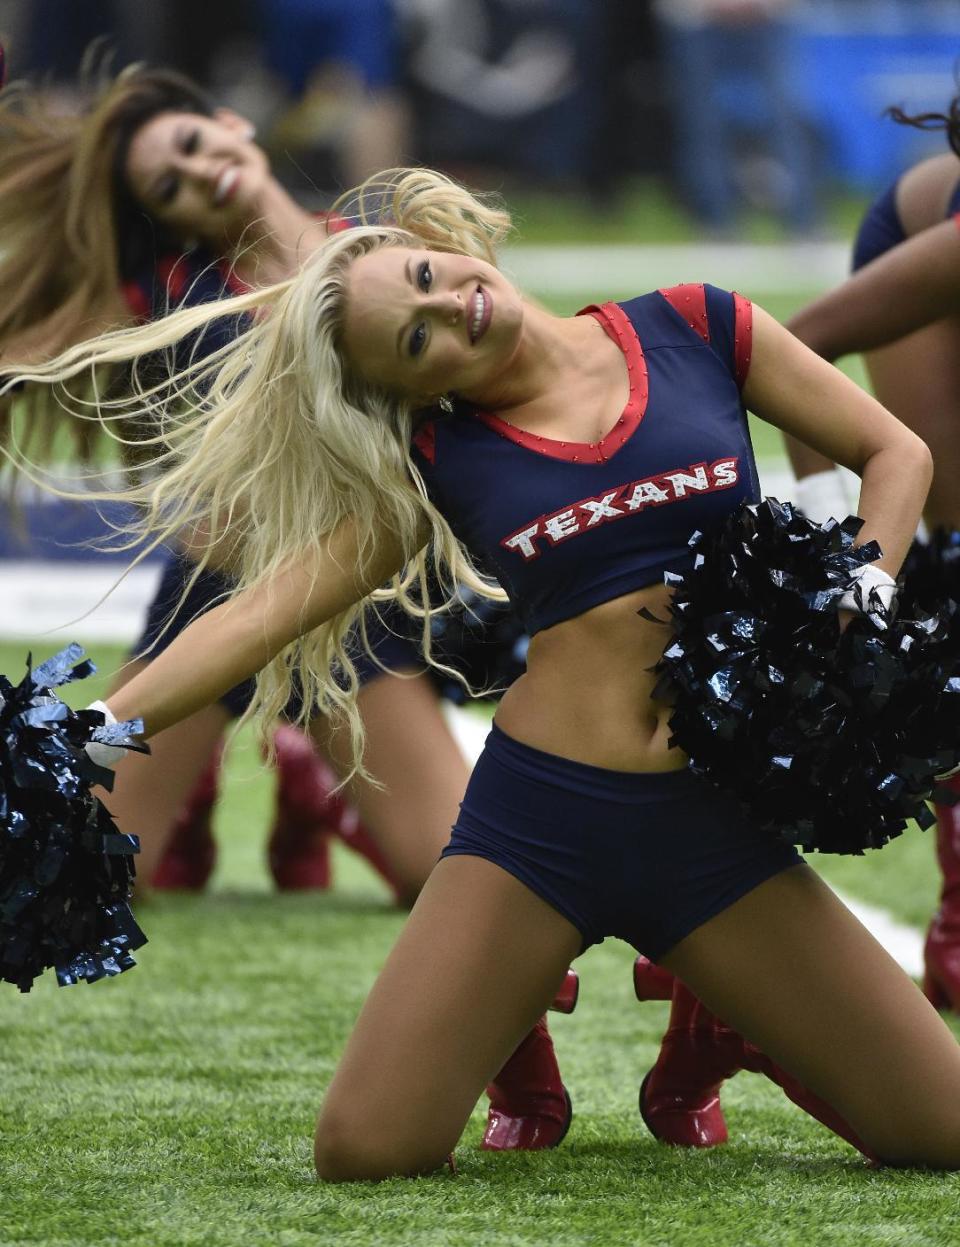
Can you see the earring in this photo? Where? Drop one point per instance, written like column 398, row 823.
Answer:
column 445, row 403
column 249, row 134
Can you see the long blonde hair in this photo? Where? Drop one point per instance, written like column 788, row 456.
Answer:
column 271, row 442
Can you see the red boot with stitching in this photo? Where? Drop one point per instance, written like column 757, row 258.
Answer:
column 650, row 981
column 529, row 1106
column 680, row 1096
column 308, row 812
column 941, row 953
column 191, row 852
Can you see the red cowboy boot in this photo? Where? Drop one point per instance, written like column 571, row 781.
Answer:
column 529, row 1106
column 345, row 823
column 191, row 851
column 298, row 848
column 941, row 953
column 650, row 981
column 679, row 1097
column 565, row 1001
column 308, row 812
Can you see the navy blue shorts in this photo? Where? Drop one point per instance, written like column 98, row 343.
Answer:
column 643, row 857
column 881, row 228
column 172, row 611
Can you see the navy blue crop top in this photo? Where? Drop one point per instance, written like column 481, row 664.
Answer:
column 565, row 526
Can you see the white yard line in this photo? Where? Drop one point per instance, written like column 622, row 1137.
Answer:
column 623, row 271
column 59, row 602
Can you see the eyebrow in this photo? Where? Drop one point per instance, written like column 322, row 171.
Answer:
column 405, row 326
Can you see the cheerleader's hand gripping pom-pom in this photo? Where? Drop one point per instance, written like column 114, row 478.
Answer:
column 831, row 738
column 65, row 869
column 113, row 741
column 873, row 592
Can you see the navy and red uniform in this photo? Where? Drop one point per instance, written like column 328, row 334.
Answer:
column 881, row 228
column 566, row 526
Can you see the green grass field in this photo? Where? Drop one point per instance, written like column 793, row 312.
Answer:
column 174, row 1105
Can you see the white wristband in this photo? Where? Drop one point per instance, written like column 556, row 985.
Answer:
column 104, row 755
column 869, row 582
column 822, row 497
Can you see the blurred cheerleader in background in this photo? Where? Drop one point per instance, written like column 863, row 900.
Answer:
column 901, row 309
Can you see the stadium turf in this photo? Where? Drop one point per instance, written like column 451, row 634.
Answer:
column 174, row 1105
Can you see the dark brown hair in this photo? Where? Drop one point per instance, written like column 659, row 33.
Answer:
column 71, row 232
column 949, row 121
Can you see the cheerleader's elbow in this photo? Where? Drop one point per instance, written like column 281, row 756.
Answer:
column 904, row 459
column 916, row 457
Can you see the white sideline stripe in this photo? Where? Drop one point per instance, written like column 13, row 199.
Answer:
column 623, row 271
column 40, row 600
column 902, row 942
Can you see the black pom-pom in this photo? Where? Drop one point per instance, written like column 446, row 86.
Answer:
column 483, row 640
column 931, row 572
column 65, row 869
column 831, row 740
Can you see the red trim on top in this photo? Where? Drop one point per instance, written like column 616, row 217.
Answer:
column 690, row 301
column 425, row 440
column 742, row 337
column 136, row 299
column 235, row 284
column 172, row 275
column 618, row 327
column 334, row 222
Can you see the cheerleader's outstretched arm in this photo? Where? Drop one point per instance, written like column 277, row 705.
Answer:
column 236, row 639
column 794, row 389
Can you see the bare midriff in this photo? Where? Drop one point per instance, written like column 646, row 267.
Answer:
column 587, row 692
column 923, row 193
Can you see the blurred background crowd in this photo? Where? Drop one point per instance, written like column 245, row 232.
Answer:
column 744, row 108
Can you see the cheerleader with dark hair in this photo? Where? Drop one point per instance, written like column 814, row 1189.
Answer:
column 901, row 309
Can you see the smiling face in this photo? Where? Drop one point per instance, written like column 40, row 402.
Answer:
column 199, row 176
column 425, row 323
